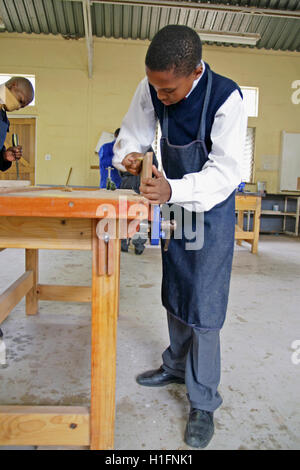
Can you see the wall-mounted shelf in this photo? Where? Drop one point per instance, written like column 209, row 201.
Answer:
column 272, row 212
column 285, row 220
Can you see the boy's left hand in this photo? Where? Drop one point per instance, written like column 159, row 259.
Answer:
column 157, row 189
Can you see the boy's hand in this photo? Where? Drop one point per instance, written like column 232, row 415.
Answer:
column 133, row 162
column 157, row 189
column 13, row 153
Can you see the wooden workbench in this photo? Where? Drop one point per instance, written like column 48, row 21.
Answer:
column 245, row 203
column 57, row 219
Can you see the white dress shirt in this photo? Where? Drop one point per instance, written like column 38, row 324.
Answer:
column 219, row 176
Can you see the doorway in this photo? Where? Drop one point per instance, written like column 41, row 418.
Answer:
column 25, row 128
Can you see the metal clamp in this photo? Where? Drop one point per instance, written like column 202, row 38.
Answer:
column 105, row 254
column 157, row 228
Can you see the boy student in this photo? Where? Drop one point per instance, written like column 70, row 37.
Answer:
column 15, row 94
column 203, row 124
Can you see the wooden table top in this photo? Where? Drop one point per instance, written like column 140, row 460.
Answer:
column 54, row 202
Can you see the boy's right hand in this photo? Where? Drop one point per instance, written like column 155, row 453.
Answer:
column 13, row 153
column 133, row 162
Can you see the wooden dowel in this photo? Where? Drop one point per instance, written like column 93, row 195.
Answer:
column 147, row 165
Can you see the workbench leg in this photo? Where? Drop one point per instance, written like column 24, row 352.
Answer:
column 240, row 223
column 256, row 227
column 105, row 306
column 32, row 264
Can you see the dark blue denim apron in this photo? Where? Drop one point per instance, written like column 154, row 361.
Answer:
column 195, row 284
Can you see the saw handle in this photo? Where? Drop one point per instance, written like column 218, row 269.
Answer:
column 15, row 140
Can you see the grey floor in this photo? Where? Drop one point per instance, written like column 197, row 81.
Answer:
column 49, row 354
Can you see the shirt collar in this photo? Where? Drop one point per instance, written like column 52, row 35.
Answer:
column 198, row 79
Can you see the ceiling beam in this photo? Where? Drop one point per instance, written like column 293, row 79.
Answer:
column 253, row 11
column 86, row 6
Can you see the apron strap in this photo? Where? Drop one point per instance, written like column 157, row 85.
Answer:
column 201, row 132
column 165, row 126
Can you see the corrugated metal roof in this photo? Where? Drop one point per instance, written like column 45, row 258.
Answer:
column 276, row 21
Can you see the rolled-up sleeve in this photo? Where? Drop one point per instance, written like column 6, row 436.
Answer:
column 138, row 126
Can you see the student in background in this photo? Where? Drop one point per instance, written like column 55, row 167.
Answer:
column 105, row 161
column 15, row 94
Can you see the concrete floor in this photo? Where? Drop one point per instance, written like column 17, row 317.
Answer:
column 48, row 355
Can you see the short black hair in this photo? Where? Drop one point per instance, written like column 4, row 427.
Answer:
column 24, row 84
column 175, row 47
column 117, row 132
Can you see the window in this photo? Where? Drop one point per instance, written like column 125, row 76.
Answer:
column 31, row 78
column 247, row 162
column 250, row 95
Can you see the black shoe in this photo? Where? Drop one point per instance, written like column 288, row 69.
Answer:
column 138, row 251
column 158, row 378
column 125, row 245
column 199, row 429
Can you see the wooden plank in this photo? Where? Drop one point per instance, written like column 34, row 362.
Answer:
column 55, row 202
column 32, row 264
column 243, row 235
column 45, row 233
column 256, row 225
column 44, row 425
column 12, row 296
column 26, row 189
column 105, row 304
column 14, row 183
column 246, row 203
column 64, row 293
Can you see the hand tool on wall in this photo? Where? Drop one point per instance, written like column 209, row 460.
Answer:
column 15, row 143
column 67, row 182
column 110, row 185
column 69, row 176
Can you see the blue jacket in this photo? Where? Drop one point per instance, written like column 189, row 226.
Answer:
column 105, row 160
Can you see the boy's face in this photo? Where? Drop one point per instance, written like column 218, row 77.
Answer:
column 21, row 98
column 171, row 88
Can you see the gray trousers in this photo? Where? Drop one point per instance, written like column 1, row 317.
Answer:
column 194, row 355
